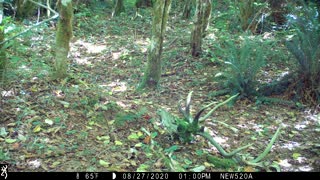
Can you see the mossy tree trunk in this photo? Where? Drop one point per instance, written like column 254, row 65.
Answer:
column 63, row 37
column 3, row 60
column 118, row 8
column 152, row 74
column 24, row 8
column 246, row 8
column 203, row 12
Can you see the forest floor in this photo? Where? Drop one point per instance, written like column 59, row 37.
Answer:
column 94, row 119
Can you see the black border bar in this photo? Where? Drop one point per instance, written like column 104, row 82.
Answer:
column 160, row 175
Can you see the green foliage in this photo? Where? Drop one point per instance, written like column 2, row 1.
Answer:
column 184, row 128
column 225, row 16
column 305, row 47
column 6, row 29
column 244, row 60
column 4, row 156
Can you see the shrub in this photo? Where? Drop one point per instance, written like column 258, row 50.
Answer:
column 305, row 47
column 244, row 61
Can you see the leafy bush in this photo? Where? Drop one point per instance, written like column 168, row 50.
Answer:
column 305, row 47
column 244, row 61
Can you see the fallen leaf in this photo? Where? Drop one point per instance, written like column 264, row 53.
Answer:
column 11, row 124
column 22, row 137
column 198, row 169
column 37, row 129
column 103, row 138
column 16, row 146
column 118, row 143
column 10, row 141
column 104, row 163
column 296, row 156
column 138, row 145
column 147, row 140
column 249, row 169
column 55, row 164
column 3, row 132
column 133, row 136
column 143, row 168
column 65, row 104
column 48, row 121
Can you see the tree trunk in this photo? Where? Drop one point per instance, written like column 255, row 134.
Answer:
column 203, row 11
column 119, row 8
column 152, row 74
column 206, row 17
column 63, row 36
column 3, row 60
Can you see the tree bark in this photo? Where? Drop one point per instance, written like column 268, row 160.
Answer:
column 203, row 11
column 119, row 8
column 63, row 37
column 152, row 74
column 206, row 17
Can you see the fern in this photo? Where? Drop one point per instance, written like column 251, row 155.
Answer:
column 305, row 47
column 244, row 61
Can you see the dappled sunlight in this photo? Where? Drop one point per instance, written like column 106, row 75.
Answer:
column 116, row 55
column 25, row 68
column 91, row 48
column 286, row 165
column 7, row 93
column 290, row 145
column 80, row 48
column 143, row 44
column 83, row 61
column 115, row 86
column 211, row 36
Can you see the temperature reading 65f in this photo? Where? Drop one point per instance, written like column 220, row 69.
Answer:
column 91, row 176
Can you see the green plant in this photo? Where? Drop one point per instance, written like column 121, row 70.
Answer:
column 4, row 156
column 244, row 60
column 184, row 128
column 188, row 126
column 305, row 47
